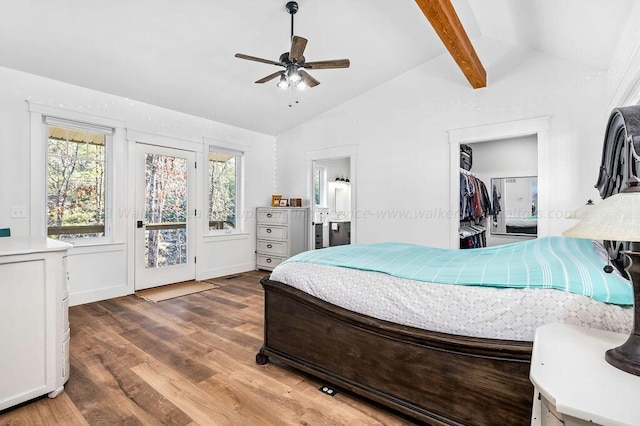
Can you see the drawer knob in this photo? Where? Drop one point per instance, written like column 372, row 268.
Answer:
column 268, row 230
column 268, row 260
column 269, row 246
column 268, row 214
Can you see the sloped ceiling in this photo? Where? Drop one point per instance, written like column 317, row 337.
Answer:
column 180, row 54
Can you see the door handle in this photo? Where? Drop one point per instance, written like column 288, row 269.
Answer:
column 140, row 224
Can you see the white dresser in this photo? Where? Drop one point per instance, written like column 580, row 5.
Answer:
column 281, row 233
column 34, row 306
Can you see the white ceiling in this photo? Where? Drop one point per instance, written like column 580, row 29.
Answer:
column 180, row 54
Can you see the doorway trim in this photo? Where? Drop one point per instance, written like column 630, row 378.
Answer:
column 133, row 138
column 345, row 151
column 538, row 126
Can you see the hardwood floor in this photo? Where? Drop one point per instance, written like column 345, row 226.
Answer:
column 186, row 361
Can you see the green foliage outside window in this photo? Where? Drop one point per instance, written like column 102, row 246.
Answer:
column 76, row 168
column 222, row 190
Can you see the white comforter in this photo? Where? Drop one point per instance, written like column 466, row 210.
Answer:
column 511, row 314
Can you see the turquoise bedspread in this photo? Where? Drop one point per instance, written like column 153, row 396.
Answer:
column 562, row 263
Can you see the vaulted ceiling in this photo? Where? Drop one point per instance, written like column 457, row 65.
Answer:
column 180, row 54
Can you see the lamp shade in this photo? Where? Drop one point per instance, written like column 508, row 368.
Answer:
column 582, row 211
column 616, row 218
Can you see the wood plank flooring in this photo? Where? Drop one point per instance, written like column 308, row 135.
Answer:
column 186, row 361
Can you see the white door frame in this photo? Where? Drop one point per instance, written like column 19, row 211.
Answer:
column 346, row 151
column 535, row 126
column 146, row 278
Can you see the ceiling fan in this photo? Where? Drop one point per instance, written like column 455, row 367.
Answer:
column 294, row 63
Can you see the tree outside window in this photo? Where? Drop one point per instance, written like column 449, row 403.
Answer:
column 76, row 176
column 224, row 172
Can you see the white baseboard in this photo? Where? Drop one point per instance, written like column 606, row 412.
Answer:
column 99, row 294
column 227, row 270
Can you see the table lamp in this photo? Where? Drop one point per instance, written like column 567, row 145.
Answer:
column 582, row 211
column 617, row 218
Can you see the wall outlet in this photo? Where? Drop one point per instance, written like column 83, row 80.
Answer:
column 16, row 212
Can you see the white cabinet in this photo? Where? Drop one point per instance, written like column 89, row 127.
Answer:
column 281, row 233
column 34, row 330
column 574, row 385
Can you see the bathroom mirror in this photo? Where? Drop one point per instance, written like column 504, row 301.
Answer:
column 515, row 206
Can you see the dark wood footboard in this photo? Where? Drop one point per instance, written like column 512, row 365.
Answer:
column 435, row 377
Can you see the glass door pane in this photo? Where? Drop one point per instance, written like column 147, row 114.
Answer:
column 165, row 211
column 165, row 217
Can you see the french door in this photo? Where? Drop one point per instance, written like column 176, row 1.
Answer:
column 165, row 219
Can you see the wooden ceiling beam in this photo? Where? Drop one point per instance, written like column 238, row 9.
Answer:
column 445, row 22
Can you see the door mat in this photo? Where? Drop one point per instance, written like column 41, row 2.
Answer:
column 171, row 291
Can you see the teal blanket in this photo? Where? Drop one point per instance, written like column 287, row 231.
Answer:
column 562, row 263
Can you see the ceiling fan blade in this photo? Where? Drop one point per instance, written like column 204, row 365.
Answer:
column 253, row 58
column 308, row 80
column 323, row 65
column 270, row 77
column 297, row 48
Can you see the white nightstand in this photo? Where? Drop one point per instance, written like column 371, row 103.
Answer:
column 574, row 385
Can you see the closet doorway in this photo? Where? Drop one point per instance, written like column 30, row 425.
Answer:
column 331, row 191
column 506, row 135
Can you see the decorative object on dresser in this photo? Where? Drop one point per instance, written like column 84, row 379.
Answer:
column 281, row 233
column 275, row 200
column 34, row 303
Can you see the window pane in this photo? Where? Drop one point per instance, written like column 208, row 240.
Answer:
column 165, row 210
column 316, row 186
column 76, row 183
column 222, row 190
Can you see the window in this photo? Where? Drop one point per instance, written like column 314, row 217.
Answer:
column 319, row 185
column 224, row 189
column 76, row 180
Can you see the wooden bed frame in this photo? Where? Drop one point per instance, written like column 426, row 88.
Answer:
column 437, row 378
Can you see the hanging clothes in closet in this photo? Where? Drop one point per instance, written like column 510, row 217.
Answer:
column 475, row 206
column 475, row 202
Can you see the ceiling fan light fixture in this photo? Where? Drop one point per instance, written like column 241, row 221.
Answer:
column 283, row 83
column 293, row 74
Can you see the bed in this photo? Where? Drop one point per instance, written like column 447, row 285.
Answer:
column 467, row 361
column 469, row 375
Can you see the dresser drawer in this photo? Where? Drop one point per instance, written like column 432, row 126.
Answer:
column 272, row 248
column 273, row 217
column 272, row 232
column 268, row 262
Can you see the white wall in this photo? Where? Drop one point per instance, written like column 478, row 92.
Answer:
column 107, row 271
column 400, row 129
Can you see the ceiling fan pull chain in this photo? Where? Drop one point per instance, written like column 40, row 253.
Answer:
column 290, row 95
